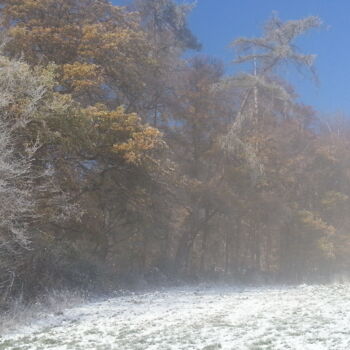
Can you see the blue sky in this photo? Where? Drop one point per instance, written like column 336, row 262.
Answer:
column 218, row 22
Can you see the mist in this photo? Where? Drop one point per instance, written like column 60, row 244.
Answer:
column 136, row 169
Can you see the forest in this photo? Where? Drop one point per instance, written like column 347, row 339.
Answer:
column 127, row 157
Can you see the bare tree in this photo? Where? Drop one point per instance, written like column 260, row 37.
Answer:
column 267, row 53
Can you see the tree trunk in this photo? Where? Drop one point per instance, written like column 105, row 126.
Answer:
column 204, row 244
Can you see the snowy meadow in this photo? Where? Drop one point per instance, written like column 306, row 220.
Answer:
column 303, row 317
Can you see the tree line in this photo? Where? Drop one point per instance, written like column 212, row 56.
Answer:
column 123, row 161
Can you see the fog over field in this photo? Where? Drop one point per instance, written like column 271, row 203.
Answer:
column 132, row 160
column 298, row 318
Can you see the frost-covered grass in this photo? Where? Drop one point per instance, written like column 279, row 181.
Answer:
column 304, row 317
column 20, row 313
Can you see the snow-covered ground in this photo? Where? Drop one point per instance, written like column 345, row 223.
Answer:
column 304, row 317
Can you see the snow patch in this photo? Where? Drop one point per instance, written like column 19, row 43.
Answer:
column 304, row 317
